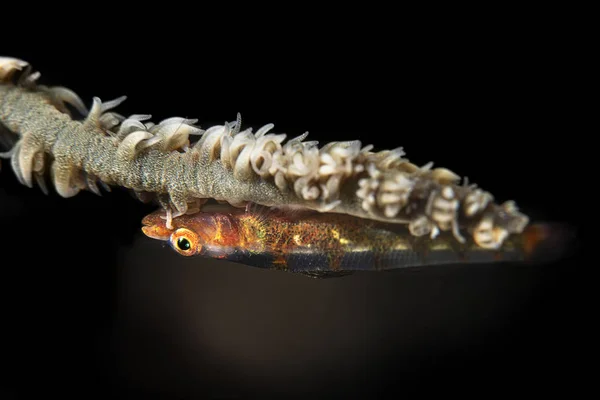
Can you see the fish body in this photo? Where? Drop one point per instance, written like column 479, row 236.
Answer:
column 320, row 243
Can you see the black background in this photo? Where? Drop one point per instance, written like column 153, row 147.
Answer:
column 90, row 306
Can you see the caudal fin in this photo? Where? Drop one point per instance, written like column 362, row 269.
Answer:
column 549, row 242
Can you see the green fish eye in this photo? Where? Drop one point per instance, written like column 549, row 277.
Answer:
column 183, row 244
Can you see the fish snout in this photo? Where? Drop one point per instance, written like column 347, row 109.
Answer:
column 155, row 227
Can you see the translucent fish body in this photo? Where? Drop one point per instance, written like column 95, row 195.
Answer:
column 315, row 243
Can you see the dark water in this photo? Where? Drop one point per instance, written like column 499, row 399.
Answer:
column 91, row 306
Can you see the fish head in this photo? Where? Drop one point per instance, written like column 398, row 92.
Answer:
column 191, row 234
column 182, row 237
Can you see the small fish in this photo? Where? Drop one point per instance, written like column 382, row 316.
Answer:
column 325, row 245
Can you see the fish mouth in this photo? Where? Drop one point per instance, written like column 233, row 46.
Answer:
column 154, row 227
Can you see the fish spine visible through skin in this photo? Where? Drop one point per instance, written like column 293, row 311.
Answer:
column 159, row 161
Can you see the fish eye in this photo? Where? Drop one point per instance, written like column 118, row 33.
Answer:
column 183, row 244
column 185, row 241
